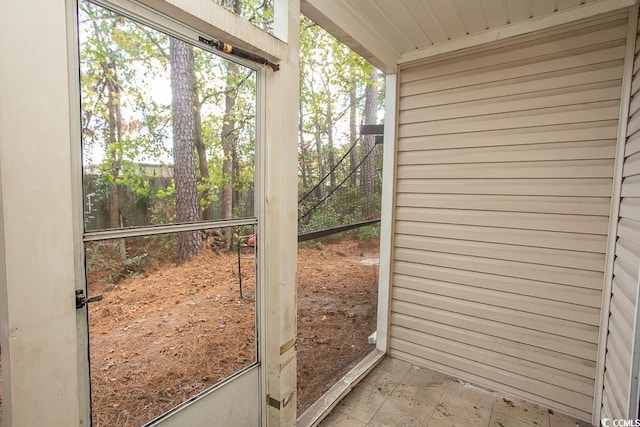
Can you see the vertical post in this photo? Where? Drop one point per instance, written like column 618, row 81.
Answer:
column 279, row 245
column 38, row 315
column 75, row 141
column 386, row 215
column 239, row 269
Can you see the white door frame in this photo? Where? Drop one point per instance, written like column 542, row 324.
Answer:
column 41, row 248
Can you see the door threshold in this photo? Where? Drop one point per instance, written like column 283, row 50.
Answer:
column 329, row 400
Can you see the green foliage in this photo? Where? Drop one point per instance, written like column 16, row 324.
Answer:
column 134, row 266
column 259, row 12
column 333, row 81
column 105, row 258
column 368, row 233
column 163, row 206
column 327, row 218
column 112, row 261
column 163, row 247
column 127, row 117
column 313, row 244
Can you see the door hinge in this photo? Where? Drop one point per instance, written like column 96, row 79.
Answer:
column 82, row 301
column 274, row 403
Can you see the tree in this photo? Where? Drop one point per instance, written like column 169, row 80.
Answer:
column 353, row 120
column 201, row 149
column 228, row 136
column 108, row 85
column 184, row 146
column 338, row 90
column 133, row 128
column 259, row 12
column 367, row 177
column 115, row 125
column 115, row 53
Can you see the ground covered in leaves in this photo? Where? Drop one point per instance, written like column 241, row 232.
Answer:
column 160, row 339
column 337, row 303
column 164, row 334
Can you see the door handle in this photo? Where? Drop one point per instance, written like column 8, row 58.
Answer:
column 82, row 301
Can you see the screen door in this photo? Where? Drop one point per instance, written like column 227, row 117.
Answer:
column 170, row 225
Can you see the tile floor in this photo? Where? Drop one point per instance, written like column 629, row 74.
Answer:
column 397, row 393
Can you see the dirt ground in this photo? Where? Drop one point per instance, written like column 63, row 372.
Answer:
column 158, row 340
column 337, row 303
column 161, row 337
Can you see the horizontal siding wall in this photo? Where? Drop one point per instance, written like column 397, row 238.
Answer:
column 504, row 176
column 618, row 366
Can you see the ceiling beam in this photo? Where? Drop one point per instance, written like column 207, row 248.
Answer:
column 520, row 28
column 343, row 22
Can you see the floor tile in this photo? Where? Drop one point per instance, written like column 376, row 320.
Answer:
column 414, row 400
column 397, row 419
column 464, row 405
column 391, row 364
column 425, row 377
column 363, row 402
column 407, row 406
column 340, row 419
column 367, row 397
column 444, row 423
column 512, row 412
column 561, row 420
column 398, row 394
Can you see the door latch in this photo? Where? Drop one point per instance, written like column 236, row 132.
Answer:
column 82, row 301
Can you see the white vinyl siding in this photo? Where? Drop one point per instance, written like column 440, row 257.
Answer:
column 504, row 175
column 618, row 365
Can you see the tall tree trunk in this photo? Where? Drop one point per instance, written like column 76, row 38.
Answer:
column 318, row 136
column 303, row 150
column 235, row 163
column 228, row 137
column 330, row 155
column 353, row 135
column 116, row 205
column 184, row 147
column 228, row 145
column 367, row 180
column 203, row 165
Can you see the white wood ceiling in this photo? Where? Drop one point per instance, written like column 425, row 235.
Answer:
column 387, row 29
column 416, row 24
